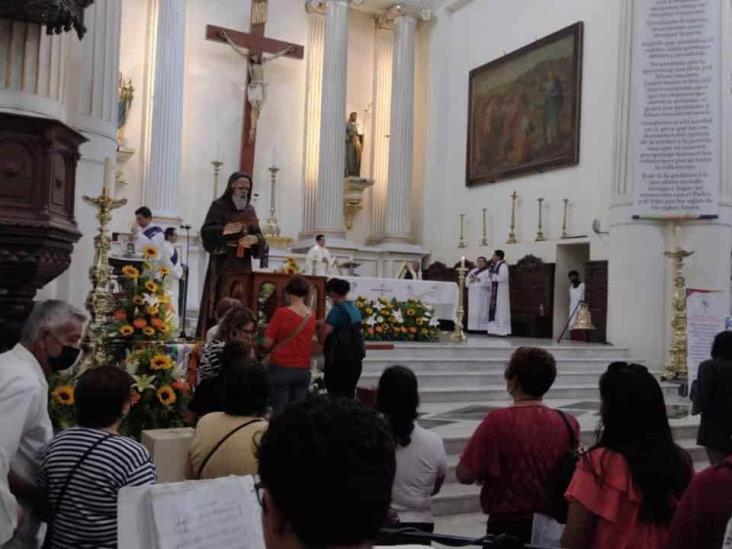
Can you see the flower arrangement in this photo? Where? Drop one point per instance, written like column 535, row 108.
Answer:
column 160, row 395
column 290, row 266
column 392, row 320
column 61, row 400
column 145, row 311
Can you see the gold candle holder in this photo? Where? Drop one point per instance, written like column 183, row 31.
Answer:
column 678, row 348
column 540, row 231
column 512, row 232
column 484, row 240
column 98, row 301
column 216, row 169
column 458, row 334
column 565, row 234
column 461, row 243
column 272, row 227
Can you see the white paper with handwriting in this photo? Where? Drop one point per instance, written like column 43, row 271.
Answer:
column 207, row 514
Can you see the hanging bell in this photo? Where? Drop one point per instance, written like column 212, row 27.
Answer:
column 584, row 318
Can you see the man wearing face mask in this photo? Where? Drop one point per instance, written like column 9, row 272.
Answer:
column 48, row 343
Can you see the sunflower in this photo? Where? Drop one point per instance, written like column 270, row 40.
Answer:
column 425, row 331
column 164, row 329
column 150, row 286
column 164, row 271
column 150, row 251
column 153, row 310
column 126, row 330
column 139, row 322
column 165, row 299
column 64, row 395
column 148, row 331
column 161, row 362
column 130, row 272
column 137, row 300
column 166, row 395
column 410, row 312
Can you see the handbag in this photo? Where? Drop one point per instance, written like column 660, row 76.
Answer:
column 62, row 493
column 220, row 442
column 563, row 473
column 267, row 358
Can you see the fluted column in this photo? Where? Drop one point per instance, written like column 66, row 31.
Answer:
column 401, row 128
column 33, row 69
column 331, row 162
column 383, row 46
column 163, row 179
column 99, row 77
column 314, row 97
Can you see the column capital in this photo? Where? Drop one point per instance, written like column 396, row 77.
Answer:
column 416, row 9
column 319, row 6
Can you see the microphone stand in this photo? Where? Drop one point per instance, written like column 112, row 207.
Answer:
column 184, row 291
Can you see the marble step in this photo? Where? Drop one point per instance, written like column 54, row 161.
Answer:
column 459, row 499
column 491, row 377
column 439, row 350
column 489, row 393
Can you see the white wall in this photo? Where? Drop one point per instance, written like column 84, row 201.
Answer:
column 475, row 34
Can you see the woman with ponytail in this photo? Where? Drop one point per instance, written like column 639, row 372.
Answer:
column 420, row 456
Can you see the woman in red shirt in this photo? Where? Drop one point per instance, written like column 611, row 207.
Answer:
column 289, row 338
column 625, row 489
column 515, row 451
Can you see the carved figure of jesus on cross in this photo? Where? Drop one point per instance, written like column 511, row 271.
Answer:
column 253, row 46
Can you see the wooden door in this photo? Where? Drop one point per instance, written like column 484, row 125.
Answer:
column 596, row 296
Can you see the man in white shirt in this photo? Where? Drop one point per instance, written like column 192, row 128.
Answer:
column 170, row 258
column 318, row 259
column 576, row 296
column 48, row 343
column 144, row 232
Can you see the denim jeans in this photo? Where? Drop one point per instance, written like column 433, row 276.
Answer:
column 289, row 385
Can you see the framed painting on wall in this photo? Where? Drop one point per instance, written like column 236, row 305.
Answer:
column 524, row 109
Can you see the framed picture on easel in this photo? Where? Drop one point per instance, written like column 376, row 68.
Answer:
column 524, row 109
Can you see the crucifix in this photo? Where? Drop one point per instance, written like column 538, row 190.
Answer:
column 256, row 46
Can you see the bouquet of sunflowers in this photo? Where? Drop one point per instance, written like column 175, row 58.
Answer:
column 145, row 311
column 61, row 400
column 160, row 395
column 392, row 320
column 290, row 266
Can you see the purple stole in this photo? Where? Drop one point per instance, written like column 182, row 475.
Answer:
column 174, row 257
column 150, row 232
column 494, row 293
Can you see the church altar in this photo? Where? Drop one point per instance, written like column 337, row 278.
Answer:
column 443, row 296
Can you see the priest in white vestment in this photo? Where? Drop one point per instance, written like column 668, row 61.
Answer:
column 479, row 295
column 499, row 312
column 318, row 260
column 144, row 232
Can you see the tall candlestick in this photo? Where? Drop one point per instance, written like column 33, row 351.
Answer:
column 217, row 168
column 512, row 232
column 107, row 184
column 540, row 231
column 565, row 234
column 458, row 334
column 484, row 240
column 462, row 262
column 461, row 243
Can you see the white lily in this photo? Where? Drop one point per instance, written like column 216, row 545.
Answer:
column 143, row 383
column 398, row 316
column 151, row 300
column 370, row 321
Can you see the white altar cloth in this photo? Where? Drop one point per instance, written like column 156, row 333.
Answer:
column 443, row 296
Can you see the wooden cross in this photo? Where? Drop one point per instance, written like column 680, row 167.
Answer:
column 257, row 44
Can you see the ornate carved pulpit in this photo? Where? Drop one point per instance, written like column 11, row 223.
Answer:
column 38, row 159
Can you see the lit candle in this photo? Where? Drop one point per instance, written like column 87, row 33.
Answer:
column 274, row 156
column 107, row 174
column 462, row 262
column 218, row 150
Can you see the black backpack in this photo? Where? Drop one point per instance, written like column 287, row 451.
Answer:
column 346, row 345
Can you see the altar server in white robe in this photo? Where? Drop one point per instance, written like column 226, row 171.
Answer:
column 499, row 312
column 576, row 296
column 171, row 259
column 479, row 295
column 318, row 259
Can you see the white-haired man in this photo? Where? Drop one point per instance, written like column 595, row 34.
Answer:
column 49, row 342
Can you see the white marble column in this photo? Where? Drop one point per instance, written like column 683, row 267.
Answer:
column 314, row 97
column 401, row 128
column 331, row 163
column 383, row 46
column 33, row 69
column 163, row 178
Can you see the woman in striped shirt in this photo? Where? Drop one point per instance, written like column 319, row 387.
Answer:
column 85, row 466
